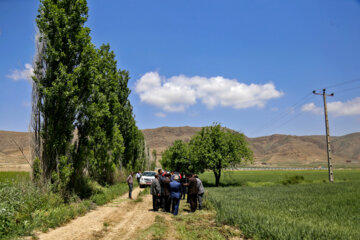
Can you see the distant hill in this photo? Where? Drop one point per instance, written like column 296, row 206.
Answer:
column 269, row 151
column 275, row 150
column 11, row 158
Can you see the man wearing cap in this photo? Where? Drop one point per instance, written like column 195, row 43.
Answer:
column 175, row 192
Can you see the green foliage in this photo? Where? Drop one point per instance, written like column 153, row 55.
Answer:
column 293, row 180
column 212, row 148
column 109, row 193
column 17, row 204
column 25, row 206
column 177, row 157
column 269, row 178
column 156, row 231
column 61, row 177
column 81, row 89
column 303, row 211
column 57, row 75
column 216, row 148
column 14, row 177
column 36, row 170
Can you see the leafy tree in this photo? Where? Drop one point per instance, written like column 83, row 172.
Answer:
column 99, row 118
column 63, row 39
column 78, row 88
column 176, row 157
column 213, row 148
column 216, row 148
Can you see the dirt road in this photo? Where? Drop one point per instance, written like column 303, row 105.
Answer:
column 120, row 219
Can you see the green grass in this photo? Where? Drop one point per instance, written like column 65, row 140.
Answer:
column 14, row 176
column 156, row 231
column 313, row 209
column 25, row 207
column 268, row 178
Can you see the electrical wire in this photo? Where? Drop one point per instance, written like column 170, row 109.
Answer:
column 283, row 114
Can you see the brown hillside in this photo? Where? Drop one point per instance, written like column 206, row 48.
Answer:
column 11, row 159
column 275, row 150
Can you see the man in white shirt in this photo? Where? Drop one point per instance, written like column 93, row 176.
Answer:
column 138, row 176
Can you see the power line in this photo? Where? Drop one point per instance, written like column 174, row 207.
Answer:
column 347, row 90
column 340, row 84
column 283, row 114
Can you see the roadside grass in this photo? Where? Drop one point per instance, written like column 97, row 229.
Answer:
column 156, row 231
column 14, row 176
column 25, row 207
column 292, row 207
column 201, row 225
column 139, row 198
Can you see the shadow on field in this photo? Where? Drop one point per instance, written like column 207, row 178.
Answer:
column 225, row 184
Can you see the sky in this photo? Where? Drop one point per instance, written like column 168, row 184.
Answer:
column 250, row 65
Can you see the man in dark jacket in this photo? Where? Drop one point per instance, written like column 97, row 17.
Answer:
column 166, row 185
column 155, row 192
column 130, row 182
column 161, row 181
column 192, row 191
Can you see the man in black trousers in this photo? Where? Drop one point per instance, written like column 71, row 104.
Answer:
column 192, row 191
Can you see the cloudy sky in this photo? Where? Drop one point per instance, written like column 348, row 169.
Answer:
column 251, row 65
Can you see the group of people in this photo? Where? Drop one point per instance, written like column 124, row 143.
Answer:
column 169, row 188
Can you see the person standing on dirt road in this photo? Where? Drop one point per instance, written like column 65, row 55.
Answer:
column 130, row 182
column 155, row 190
column 166, row 187
column 138, row 176
column 175, row 194
column 161, row 179
column 183, row 181
column 192, row 191
column 201, row 191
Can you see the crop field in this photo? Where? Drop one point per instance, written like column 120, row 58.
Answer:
column 269, row 178
column 14, row 177
column 278, row 205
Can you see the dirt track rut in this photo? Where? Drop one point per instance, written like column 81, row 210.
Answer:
column 122, row 218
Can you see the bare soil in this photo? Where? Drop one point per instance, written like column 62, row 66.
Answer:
column 122, row 218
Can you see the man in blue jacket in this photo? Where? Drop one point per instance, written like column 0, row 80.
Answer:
column 175, row 192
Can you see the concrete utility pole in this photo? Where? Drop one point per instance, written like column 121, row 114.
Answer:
column 330, row 166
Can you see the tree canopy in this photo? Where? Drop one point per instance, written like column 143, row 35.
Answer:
column 79, row 89
column 213, row 148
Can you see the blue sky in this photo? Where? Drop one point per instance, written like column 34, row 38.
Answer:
column 250, row 65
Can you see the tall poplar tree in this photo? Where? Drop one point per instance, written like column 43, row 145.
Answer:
column 57, row 76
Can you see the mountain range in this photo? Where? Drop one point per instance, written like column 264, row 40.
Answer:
column 269, row 151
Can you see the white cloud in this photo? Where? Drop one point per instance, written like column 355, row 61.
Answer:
column 24, row 74
column 178, row 92
column 311, row 107
column 351, row 107
column 160, row 114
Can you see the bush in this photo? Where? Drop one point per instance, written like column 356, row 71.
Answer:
column 25, row 206
column 293, row 180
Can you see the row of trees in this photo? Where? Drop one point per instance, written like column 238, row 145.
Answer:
column 212, row 148
column 82, row 119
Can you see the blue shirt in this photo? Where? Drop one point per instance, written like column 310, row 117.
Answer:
column 175, row 189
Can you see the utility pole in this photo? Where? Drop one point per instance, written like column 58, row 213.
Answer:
column 330, row 166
